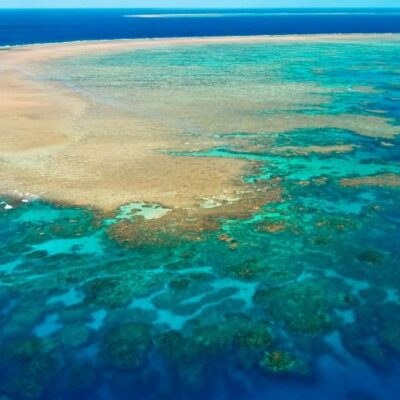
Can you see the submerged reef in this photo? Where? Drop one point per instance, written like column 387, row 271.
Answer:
column 280, row 362
column 125, row 347
column 385, row 180
column 286, row 286
column 180, row 225
column 301, row 306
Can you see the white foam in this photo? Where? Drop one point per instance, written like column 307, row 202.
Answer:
column 6, row 206
column 26, row 197
column 258, row 14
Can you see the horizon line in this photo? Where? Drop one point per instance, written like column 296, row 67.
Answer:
column 205, row 8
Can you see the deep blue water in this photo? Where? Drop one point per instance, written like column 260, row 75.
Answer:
column 81, row 314
column 43, row 26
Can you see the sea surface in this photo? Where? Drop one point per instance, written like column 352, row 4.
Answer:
column 299, row 301
column 43, row 26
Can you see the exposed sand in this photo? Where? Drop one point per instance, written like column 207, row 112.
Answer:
column 61, row 146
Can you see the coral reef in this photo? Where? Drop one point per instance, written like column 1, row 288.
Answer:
column 282, row 363
column 302, row 307
column 126, row 346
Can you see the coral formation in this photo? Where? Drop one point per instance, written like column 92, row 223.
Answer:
column 126, row 346
column 281, row 363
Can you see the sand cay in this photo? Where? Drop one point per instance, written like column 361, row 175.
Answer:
column 68, row 148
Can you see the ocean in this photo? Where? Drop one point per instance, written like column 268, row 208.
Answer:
column 297, row 299
column 42, row 26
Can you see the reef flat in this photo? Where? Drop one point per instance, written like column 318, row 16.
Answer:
column 94, row 128
column 201, row 218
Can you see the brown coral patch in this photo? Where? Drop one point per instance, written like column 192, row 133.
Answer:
column 271, row 227
column 384, row 180
column 191, row 224
column 306, row 150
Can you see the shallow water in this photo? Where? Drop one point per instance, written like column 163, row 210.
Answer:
column 305, row 305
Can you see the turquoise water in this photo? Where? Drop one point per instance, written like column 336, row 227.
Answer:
column 306, row 304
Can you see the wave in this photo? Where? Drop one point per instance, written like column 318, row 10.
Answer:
column 260, row 14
